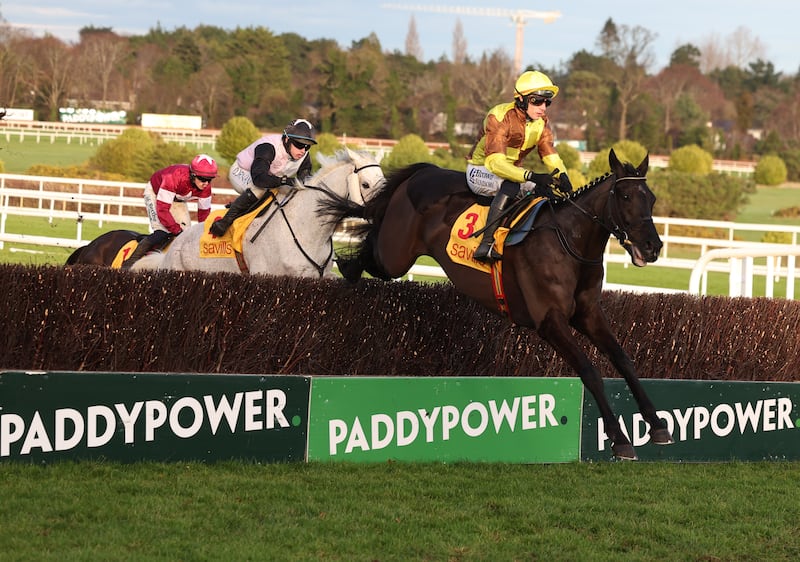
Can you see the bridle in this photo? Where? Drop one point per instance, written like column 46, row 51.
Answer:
column 320, row 267
column 612, row 222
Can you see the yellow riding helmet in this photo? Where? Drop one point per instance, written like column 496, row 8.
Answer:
column 536, row 83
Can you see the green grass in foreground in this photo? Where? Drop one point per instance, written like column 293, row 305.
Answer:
column 400, row 511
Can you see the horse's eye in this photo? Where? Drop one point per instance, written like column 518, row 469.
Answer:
column 364, row 185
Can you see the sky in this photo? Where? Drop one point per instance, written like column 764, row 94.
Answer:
column 674, row 22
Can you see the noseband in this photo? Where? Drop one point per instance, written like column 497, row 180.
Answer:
column 613, row 209
column 365, row 166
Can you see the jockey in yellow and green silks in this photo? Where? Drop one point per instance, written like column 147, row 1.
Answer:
column 509, row 133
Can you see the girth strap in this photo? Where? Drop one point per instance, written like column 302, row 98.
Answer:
column 497, row 286
column 241, row 263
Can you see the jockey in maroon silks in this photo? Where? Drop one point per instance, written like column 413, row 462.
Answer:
column 165, row 197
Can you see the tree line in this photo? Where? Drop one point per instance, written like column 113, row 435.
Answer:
column 735, row 107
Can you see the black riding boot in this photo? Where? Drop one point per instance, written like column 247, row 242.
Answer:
column 485, row 251
column 153, row 242
column 239, row 207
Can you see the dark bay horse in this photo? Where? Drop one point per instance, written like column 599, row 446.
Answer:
column 104, row 249
column 548, row 281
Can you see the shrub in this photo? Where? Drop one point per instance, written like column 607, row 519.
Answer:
column 118, row 155
column 74, row 171
column 410, row 149
column 577, row 178
column 777, row 238
column 789, row 212
column 136, row 154
column 691, row 159
column 237, row 133
column 570, row 156
column 446, row 159
column 714, row 196
column 791, row 157
column 328, row 144
column 770, row 170
column 626, row 151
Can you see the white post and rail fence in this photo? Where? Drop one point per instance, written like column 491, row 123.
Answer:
column 726, row 250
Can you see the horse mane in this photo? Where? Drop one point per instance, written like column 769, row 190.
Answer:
column 583, row 189
column 341, row 155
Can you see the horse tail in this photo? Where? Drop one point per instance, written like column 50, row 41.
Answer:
column 355, row 261
column 75, row 256
column 337, row 208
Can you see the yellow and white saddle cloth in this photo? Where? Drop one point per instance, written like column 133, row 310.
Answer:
column 228, row 244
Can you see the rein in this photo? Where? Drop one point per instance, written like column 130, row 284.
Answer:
column 320, row 267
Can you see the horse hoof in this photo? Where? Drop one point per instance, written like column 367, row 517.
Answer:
column 660, row 436
column 624, row 452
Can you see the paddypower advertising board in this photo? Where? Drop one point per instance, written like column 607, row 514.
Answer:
column 129, row 417
column 500, row 419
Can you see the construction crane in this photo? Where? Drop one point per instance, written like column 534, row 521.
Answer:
column 519, row 17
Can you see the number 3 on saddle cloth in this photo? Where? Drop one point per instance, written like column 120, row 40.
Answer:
column 462, row 244
column 230, row 243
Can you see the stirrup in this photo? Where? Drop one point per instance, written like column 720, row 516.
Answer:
column 489, row 256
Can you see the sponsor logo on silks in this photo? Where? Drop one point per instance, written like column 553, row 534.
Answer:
column 441, row 424
column 98, row 425
column 698, row 422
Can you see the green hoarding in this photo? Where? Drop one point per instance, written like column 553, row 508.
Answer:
column 163, row 417
column 497, row 419
column 709, row 420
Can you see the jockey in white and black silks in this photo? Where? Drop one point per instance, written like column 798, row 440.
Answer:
column 165, row 198
column 509, row 133
column 272, row 161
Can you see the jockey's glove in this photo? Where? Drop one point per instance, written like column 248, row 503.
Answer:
column 286, row 180
column 539, row 179
column 546, row 185
column 564, row 185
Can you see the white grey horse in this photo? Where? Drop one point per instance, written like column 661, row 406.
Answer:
column 290, row 238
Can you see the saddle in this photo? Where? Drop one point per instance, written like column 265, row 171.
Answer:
column 515, row 225
column 231, row 243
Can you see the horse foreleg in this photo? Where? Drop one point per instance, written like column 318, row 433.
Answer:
column 555, row 330
column 596, row 327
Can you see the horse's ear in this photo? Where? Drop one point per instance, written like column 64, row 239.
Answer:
column 613, row 161
column 351, row 154
column 642, row 169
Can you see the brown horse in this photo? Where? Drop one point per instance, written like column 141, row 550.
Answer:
column 549, row 280
column 104, row 249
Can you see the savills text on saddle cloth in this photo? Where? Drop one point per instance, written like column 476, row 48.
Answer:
column 462, row 244
column 232, row 241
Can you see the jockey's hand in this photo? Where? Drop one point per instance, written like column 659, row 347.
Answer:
column 546, row 185
column 540, row 179
column 286, row 180
column 564, row 185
